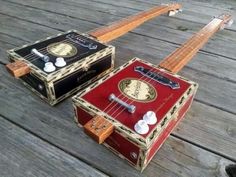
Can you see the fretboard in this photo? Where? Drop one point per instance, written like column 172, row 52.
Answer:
column 181, row 56
column 119, row 28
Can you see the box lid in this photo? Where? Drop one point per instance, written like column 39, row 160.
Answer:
column 141, row 91
column 78, row 51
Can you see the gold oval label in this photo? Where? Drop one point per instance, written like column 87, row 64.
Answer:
column 137, row 90
column 62, row 49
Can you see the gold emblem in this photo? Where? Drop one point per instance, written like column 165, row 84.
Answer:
column 62, row 49
column 137, row 89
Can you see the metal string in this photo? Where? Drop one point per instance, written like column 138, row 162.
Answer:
column 29, row 56
column 34, row 57
column 184, row 47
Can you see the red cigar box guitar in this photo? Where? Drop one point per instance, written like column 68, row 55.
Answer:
column 57, row 67
column 133, row 109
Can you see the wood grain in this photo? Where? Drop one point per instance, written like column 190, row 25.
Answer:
column 119, row 28
column 210, row 122
column 63, row 132
column 169, row 29
column 18, row 68
column 23, row 154
column 99, row 129
column 181, row 56
column 194, row 11
column 156, row 49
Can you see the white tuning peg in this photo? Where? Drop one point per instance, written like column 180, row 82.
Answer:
column 49, row 67
column 60, row 62
column 172, row 13
column 141, row 127
column 229, row 24
column 150, row 118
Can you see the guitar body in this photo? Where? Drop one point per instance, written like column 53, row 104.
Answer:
column 149, row 89
column 59, row 66
column 86, row 60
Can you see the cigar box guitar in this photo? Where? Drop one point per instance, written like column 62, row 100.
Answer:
column 60, row 65
column 133, row 109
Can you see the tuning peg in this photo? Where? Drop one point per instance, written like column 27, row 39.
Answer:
column 150, row 118
column 60, row 62
column 229, row 24
column 172, row 12
column 141, row 127
column 49, row 67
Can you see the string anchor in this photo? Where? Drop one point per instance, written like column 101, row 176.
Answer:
column 43, row 57
column 130, row 108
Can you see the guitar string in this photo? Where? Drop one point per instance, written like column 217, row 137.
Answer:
column 58, row 42
column 167, row 6
column 152, row 80
column 66, row 40
column 44, row 48
column 139, row 79
column 207, row 26
column 167, row 61
column 43, row 51
column 180, row 53
column 120, row 95
column 149, row 81
column 184, row 47
column 36, row 57
column 197, row 35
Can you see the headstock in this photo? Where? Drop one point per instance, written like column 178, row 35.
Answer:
column 227, row 20
column 174, row 6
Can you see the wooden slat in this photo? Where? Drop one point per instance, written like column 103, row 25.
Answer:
column 172, row 160
column 208, row 123
column 152, row 50
column 61, row 131
column 153, row 46
column 192, row 10
column 23, row 154
column 163, row 28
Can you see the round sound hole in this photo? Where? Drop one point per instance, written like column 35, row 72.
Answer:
column 62, row 49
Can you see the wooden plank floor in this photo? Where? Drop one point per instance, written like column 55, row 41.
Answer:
column 39, row 140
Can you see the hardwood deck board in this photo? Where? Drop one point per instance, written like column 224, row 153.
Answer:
column 200, row 146
column 164, row 28
column 192, row 10
column 62, row 132
column 228, row 71
column 158, row 50
column 155, row 51
column 23, row 154
column 132, row 41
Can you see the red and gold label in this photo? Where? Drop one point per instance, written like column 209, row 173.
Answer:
column 137, row 90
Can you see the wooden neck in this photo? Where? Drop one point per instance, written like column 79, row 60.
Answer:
column 181, row 56
column 117, row 29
